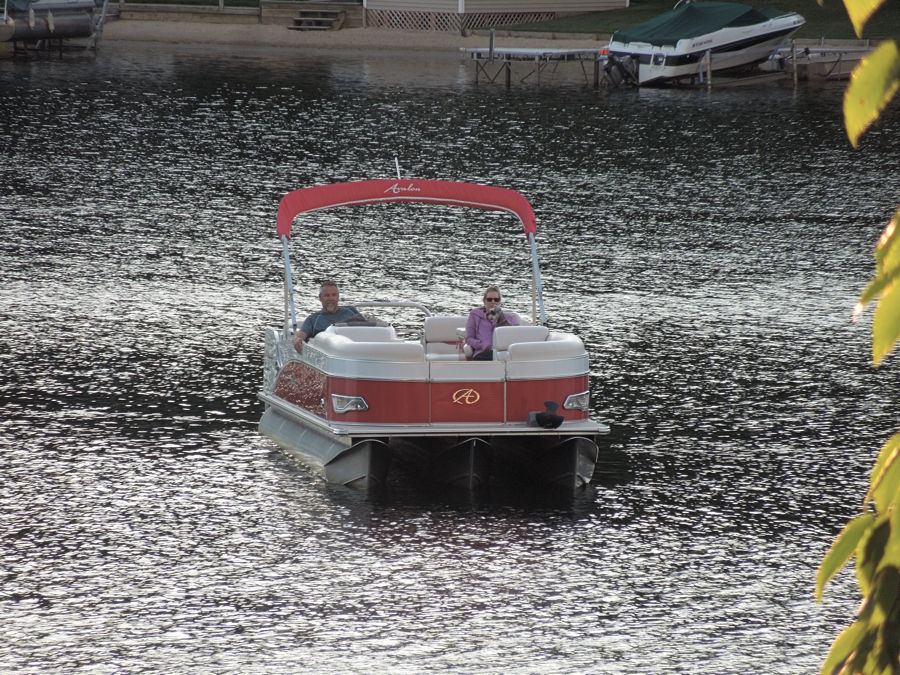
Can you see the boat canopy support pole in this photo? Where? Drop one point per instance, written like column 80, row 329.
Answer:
column 290, row 311
column 537, row 289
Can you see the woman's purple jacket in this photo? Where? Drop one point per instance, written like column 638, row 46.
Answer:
column 480, row 329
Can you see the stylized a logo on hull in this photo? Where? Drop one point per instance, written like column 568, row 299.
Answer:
column 466, row 396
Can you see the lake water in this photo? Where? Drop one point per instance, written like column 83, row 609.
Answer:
column 708, row 247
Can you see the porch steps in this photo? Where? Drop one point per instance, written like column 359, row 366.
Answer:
column 319, row 19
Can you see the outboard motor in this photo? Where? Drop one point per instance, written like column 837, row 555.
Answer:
column 547, row 419
column 620, row 70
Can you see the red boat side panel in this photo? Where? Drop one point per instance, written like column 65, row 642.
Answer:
column 525, row 396
column 390, row 402
column 303, row 386
column 466, row 401
column 443, row 192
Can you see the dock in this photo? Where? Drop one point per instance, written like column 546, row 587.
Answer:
column 798, row 62
column 493, row 62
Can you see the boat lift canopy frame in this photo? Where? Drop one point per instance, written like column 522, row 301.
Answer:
column 378, row 191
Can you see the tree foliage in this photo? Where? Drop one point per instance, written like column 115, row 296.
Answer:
column 871, row 644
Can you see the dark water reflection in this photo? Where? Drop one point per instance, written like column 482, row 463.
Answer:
column 708, row 248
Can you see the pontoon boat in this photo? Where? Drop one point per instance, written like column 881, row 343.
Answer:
column 357, row 397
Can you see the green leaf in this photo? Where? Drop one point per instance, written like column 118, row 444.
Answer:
column 887, row 582
column 886, row 322
column 860, row 11
column 887, row 251
column 870, row 551
column 857, row 662
column 890, row 557
column 887, row 265
column 872, row 291
column 842, row 549
column 885, row 474
column 843, row 646
column 874, row 82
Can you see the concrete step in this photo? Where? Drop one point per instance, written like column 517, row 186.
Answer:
column 283, row 12
column 319, row 19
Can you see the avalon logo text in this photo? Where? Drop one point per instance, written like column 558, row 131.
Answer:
column 466, row 396
column 397, row 189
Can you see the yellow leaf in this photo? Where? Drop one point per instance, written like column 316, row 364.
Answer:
column 888, row 454
column 887, row 265
column 887, row 251
column 874, row 82
column 842, row 549
column 843, row 646
column 870, row 550
column 886, row 322
column 884, row 490
column 860, row 11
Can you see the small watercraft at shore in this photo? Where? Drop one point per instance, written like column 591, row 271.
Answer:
column 34, row 21
column 357, row 397
column 696, row 38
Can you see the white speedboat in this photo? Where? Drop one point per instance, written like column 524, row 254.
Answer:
column 358, row 397
column 696, row 38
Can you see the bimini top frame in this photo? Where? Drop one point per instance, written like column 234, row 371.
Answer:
column 378, row 191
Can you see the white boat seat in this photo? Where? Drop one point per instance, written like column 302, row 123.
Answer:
column 341, row 346
column 440, row 337
column 556, row 346
column 365, row 333
column 505, row 336
column 560, row 355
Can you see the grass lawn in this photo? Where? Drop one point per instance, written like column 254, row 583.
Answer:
column 829, row 21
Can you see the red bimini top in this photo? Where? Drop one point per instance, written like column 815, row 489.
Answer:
column 363, row 192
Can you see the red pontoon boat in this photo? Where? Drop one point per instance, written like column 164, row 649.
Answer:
column 358, row 396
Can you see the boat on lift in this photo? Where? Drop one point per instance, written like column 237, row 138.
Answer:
column 30, row 22
column 359, row 398
column 695, row 38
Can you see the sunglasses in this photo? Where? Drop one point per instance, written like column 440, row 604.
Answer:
column 492, row 299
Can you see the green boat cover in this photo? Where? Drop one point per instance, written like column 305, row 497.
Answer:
column 693, row 19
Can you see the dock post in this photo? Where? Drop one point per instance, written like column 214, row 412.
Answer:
column 709, row 69
column 491, row 47
column 597, row 72
column 794, row 61
column 508, row 66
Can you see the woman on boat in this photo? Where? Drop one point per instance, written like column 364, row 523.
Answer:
column 482, row 321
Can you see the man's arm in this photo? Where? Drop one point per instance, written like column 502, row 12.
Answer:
column 299, row 339
column 305, row 329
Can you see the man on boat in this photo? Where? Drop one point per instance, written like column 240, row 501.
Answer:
column 330, row 314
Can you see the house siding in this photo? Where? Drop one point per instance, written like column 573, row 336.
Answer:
column 511, row 6
column 444, row 15
column 569, row 6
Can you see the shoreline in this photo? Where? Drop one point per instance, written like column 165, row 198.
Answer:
column 365, row 39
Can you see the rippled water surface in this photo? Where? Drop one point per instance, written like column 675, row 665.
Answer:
column 708, row 248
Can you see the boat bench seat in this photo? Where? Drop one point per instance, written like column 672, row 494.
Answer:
column 365, row 333
column 343, row 347
column 440, row 337
column 556, row 346
column 507, row 336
